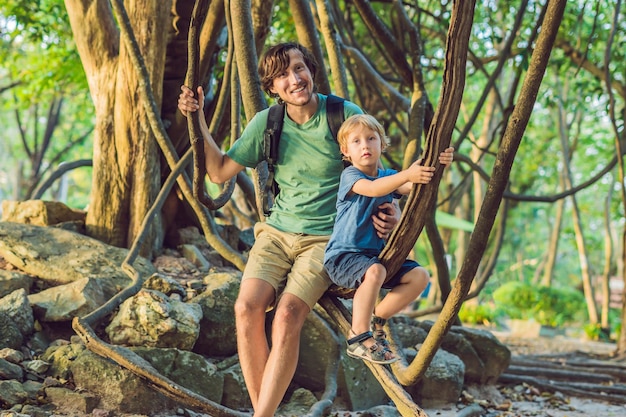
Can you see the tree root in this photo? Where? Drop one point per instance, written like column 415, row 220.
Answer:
column 142, row 368
column 577, row 375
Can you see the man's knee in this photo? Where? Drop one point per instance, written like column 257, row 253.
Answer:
column 255, row 296
column 290, row 313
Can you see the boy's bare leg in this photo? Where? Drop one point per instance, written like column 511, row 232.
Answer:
column 365, row 299
column 411, row 286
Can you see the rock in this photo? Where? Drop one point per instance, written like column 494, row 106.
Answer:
column 195, row 256
column 217, row 336
column 39, row 212
column 12, row 393
column 299, row 403
column 60, row 358
column 187, row 369
column 164, row 284
column 123, row 391
column 64, row 274
column 485, row 357
column 442, row 382
column 315, row 353
column 235, row 394
column 64, row 302
column 11, row 355
column 69, row 400
column 493, row 353
column 60, row 257
column 14, row 280
column 16, row 307
column 10, row 370
column 150, row 318
column 474, row 366
column 10, row 334
column 358, row 387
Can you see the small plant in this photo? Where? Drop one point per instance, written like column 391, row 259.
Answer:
column 597, row 332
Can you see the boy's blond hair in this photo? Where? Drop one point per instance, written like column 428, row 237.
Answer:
column 364, row 120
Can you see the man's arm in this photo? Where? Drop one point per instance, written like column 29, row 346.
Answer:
column 219, row 167
column 386, row 219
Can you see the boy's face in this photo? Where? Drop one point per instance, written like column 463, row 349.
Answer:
column 363, row 147
column 294, row 85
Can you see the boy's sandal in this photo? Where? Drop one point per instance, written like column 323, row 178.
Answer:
column 379, row 335
column 375, row 353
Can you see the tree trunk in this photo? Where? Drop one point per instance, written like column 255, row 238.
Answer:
column 608, row 256
column 125, row 167
column 621, row 341
column 553, row 244
column 592, row 309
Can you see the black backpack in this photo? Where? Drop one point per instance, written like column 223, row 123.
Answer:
column 271, row 137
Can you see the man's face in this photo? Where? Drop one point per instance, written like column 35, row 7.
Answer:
column 295, row 85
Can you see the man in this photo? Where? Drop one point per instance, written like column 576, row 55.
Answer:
column 285, row 265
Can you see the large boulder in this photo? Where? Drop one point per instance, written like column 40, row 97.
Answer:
column 64, row 302
column 217, row 329
column 151, row 318
column 39, row 212
column 58, row 256
column 14, row 280
column 442, row 383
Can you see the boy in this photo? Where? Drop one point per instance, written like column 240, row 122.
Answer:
column 351, row 257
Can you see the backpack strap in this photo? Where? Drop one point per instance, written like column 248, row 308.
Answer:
column 271, row 138
column 334, row 113
column 272, row 133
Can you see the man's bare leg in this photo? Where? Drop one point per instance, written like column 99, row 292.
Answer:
column 281, row 365
column 254, row 297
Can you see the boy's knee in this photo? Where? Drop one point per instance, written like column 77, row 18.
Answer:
column 419, row 278
column 423, row 275
column 376, row 273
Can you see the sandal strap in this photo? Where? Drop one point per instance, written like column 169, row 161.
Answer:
column 378, row 320
column 360, row 337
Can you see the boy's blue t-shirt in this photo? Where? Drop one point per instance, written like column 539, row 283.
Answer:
column 354, row 230
column 307, row 170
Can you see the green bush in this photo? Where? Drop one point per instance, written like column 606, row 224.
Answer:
column 549, row 306
column 478, row 314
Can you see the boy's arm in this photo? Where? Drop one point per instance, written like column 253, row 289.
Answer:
column 380, row 186
column 445, row 159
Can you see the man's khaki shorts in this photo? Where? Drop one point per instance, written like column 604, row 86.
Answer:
column 290, row 262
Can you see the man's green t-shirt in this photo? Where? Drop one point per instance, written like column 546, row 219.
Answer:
column 307, row 170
